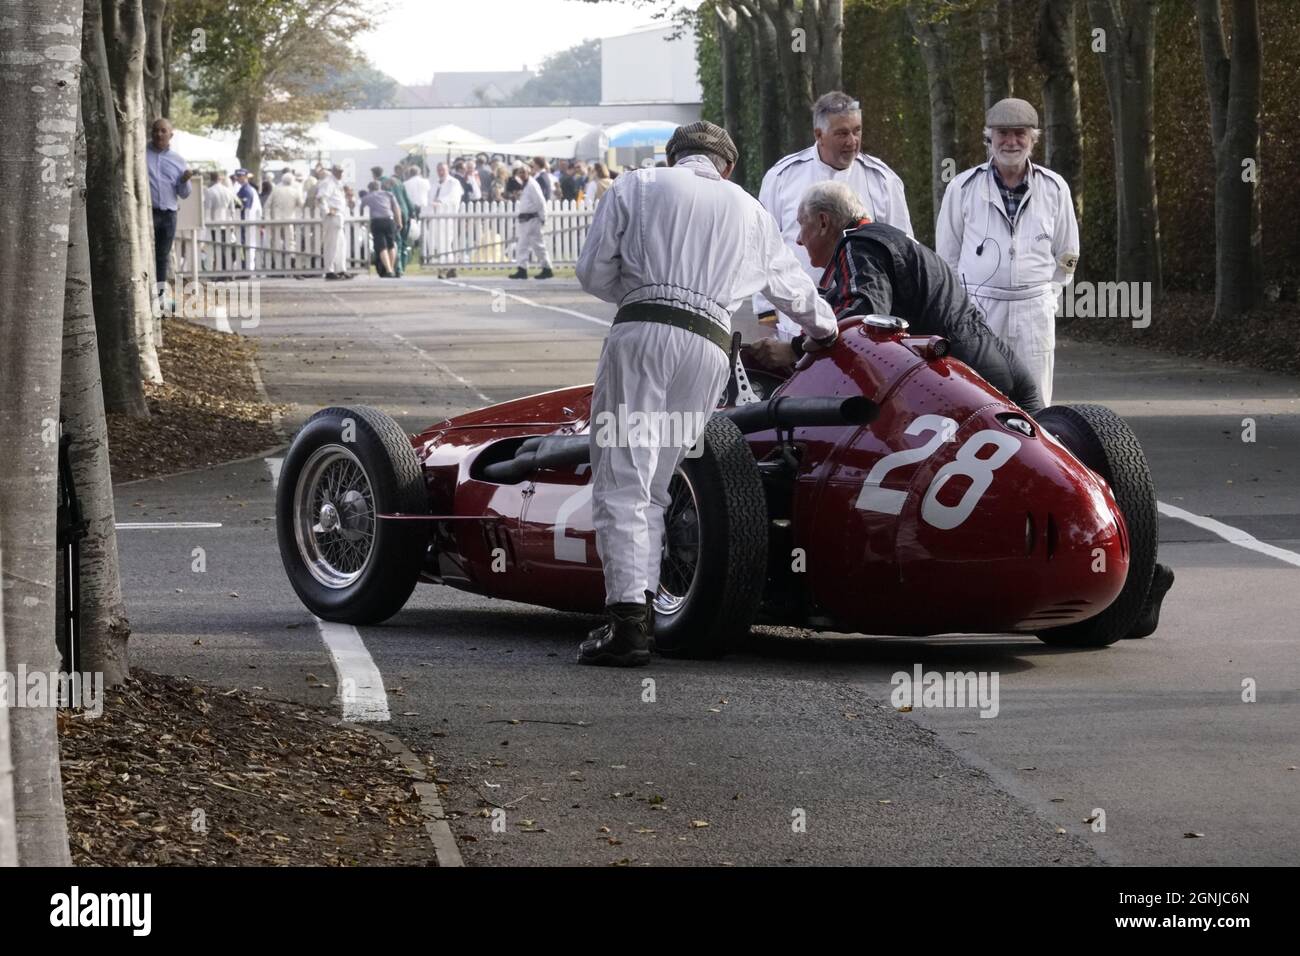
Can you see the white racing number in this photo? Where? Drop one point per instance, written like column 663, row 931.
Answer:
column 566, row 548
column 967, row 462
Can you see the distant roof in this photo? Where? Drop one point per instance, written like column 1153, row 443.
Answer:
column 463, row 89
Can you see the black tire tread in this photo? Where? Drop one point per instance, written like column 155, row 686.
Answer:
column 402, row 544
column 1119, row 453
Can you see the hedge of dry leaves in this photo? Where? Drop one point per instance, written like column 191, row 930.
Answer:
column 180, row 773
column 1184, row 325
column 207, row 410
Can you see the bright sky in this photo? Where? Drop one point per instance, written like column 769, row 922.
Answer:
column 416, row 38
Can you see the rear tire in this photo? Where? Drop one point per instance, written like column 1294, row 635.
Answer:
column 719, row 512
column 1101, row 440
column 346, row 466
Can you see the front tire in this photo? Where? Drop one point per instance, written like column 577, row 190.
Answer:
column 715, row 549
column 345, row 467
column 1103, row 441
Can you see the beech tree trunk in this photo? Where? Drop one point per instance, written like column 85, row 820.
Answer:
column 824, row 21
column 250, row 138
column 995, row 47
column 1128, row 68
column 767, row 76
column 39, row 119
column 1062, row 117
column 120, row 286
column 796, row 74
column 1233, row 88
column 931, row 30
column 731, row 109
column 104, row 628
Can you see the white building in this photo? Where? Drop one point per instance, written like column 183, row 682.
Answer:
column 644, row 76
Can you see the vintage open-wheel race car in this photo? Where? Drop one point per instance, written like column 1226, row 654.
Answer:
column 879, row 487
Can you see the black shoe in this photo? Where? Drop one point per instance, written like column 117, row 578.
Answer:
column 519, row 274
column 624, row 641
column 1161, row 582
column 650, row 613
column 545, row 274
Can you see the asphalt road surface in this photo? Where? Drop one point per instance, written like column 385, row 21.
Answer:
column 789, row 751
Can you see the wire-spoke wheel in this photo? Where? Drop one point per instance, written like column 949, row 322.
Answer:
column 345, row 468
column 714, row 561
column 334, row 516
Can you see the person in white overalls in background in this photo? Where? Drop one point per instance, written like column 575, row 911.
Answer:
column 679, row 249
column 1008, row 229
column 835, row 155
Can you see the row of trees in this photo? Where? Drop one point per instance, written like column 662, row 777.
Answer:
column 1089, row 64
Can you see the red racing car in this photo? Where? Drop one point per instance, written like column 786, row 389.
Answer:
column 879, row 488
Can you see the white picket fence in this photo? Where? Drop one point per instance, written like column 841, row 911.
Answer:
column 266, row 247
column 482, row 235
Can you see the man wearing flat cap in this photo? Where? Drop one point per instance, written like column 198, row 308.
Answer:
column 836, row 154
column 679, row 249
column 1007, row 227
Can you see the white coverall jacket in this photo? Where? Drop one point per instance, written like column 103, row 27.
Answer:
column 444, row 198
column 871, row 180
column 1018, row 275
column 529, row 240
column 329, row 196
column 683, row 237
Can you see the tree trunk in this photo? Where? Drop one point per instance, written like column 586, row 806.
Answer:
column 121, row 43
column 157, row 60
column 8, row 827
column 39, row 119
column 824, row 20
column 250, row 138
column 1128, row 68
column 796, row 75
column 932, row 33
column 120, row 287
column 104, row 628
column 731, row 109
column 1062, row 117
column 767, row 76
column 995, row 48
column 1233, row 88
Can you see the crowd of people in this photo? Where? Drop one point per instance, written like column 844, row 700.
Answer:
column 398, row 206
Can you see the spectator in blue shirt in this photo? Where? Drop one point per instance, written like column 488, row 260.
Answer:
column 169, row 180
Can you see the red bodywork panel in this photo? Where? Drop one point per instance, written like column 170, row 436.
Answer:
column 937, row 517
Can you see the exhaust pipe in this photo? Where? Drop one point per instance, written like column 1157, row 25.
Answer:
column 567, row 451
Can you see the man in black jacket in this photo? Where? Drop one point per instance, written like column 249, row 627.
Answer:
column 875, row 269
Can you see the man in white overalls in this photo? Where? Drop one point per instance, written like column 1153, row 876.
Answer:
column 1007, row 227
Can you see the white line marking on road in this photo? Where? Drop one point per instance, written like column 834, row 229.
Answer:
column 1230, row 534
column 163, row 525
column 361, row 686
column 441, row 367
column 361, row 691
column 499, row 290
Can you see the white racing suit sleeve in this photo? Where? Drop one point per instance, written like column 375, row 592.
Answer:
column 899, row 217
column 599, row 266
column 948, row 228
column 1065, row 241
column 788, row 286
column 766, row 196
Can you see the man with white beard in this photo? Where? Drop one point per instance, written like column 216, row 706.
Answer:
column 836, row 154
column 1007, row 227
column 679, row 249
